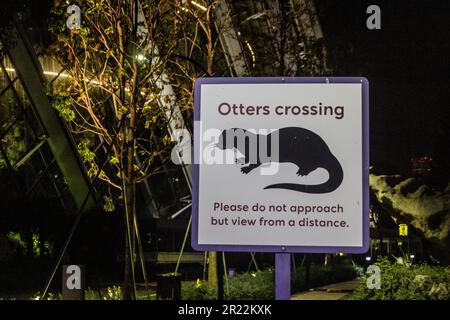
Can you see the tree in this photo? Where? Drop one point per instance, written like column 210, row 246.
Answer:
column 196, row 51
column 111, row 95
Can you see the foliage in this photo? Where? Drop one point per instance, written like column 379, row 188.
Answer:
column 110, row 293
column 18, row 239
column 401, row 280
column 90, row 294
column 320, row 275
column 113, row 293
column 260, row 285
column 111, row 88
column 49, row 296
column 197, row 290
column 116, row 72
column 63, row 104
column 108, row 205
column 254, row 285
column 87, row 156
column 2, row 162
column 15, row 143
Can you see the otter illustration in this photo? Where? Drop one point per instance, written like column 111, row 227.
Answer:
column 299, row 146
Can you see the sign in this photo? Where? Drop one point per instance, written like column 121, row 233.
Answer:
column 73, row 282
column 403, row 230
column 281, row 165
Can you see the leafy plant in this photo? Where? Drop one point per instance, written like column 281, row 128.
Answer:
column 254, row 285
column 197, row 290
column 401, row 280
column 90, row 294
column 260, row 285
column 113, row 293
column 50, row 296
column 319, row 275
column 63, row 104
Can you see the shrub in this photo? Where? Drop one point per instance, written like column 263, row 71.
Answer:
column 254, row 285
column 406, row 281
column 261, row 285
column 320, row 275
column 113, row 293
column 197, row 290
column 50, row 296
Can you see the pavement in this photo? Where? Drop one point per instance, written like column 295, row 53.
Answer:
column 335, row 291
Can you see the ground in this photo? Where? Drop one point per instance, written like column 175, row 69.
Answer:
column 335, row 291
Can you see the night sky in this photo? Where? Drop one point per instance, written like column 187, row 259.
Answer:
column 407, row 64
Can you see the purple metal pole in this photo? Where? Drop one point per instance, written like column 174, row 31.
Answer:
column 282, row 276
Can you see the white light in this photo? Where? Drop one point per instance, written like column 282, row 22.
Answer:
column 198, row 5
column 140, row 57
column 252, row 53
column 51, row 73
column 412, row 256
column 368, row 258
column 62, row 75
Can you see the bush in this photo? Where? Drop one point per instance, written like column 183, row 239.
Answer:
column 110, row 293
column 320, row 275
column 406, row 281
column 50, row 296
column 197, row 290
column 261, row 285
column 254, row 286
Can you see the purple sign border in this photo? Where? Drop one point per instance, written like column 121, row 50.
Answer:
column 277, row 248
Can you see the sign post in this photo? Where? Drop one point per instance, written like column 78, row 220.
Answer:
column 282, row 276
column 281, row 165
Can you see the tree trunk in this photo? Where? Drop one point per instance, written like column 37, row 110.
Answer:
column 129, row 193
column 129, row 257
column 212, row 255
column 212, row 269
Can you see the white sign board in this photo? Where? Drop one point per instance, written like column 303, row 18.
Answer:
column 281, row 165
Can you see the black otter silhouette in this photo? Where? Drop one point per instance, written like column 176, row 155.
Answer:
column 300, row 146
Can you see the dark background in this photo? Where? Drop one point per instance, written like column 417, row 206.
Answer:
column 407, row 64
